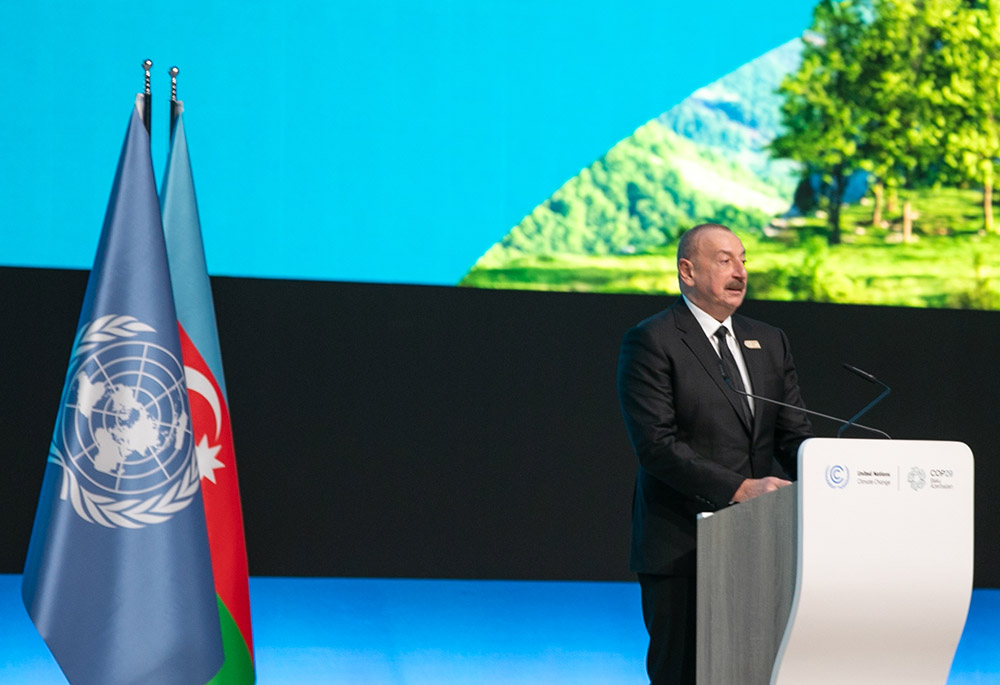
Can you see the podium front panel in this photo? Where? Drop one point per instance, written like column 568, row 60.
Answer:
column 884, row 569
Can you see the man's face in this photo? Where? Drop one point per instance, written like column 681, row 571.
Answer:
column 716, row 275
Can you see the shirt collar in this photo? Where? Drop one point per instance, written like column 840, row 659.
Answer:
column 707, row 321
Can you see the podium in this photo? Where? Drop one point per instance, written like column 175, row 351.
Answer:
column 860, row 572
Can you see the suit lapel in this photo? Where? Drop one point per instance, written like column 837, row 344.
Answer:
column 694, row 337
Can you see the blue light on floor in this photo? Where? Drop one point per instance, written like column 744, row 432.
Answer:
column 435, row 631
column 415, row 632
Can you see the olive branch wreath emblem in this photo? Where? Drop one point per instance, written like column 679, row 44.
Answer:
column 127, row 513
column 102, row 509
column 107, row 328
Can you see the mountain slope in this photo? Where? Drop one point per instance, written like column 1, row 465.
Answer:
column 703, row 160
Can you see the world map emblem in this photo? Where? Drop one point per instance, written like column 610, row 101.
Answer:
column 124, row 438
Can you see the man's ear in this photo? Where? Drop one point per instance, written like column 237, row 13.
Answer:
column 684, row 269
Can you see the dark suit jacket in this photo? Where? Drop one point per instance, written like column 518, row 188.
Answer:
column 693, row 445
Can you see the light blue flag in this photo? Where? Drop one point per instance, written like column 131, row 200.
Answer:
column 186, row 253
column 209, row 408
column 118, row 578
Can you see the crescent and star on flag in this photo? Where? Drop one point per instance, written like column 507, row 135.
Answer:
column 205, row 451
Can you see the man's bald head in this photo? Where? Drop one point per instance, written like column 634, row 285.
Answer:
column 688, row 244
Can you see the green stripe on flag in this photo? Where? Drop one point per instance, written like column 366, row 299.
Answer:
column 238, row 667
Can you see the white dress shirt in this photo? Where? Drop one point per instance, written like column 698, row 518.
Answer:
column 709, row 325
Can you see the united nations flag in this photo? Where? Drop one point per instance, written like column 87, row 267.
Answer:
column 118, row 578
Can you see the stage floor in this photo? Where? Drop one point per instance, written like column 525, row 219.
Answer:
column 409, row 632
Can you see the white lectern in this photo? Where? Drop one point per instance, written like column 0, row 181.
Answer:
column 859, row 573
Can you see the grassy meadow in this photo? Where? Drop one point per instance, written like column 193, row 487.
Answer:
column 949, row 262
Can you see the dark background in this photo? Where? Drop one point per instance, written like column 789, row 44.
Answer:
column 411, row 431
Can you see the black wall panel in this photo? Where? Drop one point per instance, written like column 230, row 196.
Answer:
column 388, row 430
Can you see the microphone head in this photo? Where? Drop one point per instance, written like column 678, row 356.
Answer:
column 858, row 372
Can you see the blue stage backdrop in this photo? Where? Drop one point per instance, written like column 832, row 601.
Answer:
column 390, row 142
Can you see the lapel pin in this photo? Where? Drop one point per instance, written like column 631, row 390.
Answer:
column 751, row 344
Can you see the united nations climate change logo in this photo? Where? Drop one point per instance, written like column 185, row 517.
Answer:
column 837, row 476
column 916, row 478
column 124, row 436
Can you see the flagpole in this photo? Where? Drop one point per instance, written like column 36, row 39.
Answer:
column 175, row 106
column 147, row 107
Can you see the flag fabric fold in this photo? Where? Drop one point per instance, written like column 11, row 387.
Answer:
column 209, row 407
column 118, row 577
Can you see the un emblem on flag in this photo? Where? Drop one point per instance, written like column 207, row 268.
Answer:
column 123, row 437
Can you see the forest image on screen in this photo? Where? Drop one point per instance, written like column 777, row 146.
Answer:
column 857, row 164
column 562, row 145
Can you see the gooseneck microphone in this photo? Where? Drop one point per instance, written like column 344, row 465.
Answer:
column 871, row 379
column 844, row 422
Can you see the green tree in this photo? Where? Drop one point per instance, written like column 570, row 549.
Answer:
column 900, row 90
column 822, row 117
column 969, row 94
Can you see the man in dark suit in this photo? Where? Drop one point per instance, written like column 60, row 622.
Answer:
column 700, row 445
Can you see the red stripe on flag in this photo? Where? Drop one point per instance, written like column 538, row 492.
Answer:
column 224, row 515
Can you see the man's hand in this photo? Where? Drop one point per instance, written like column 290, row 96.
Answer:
column 754, row 487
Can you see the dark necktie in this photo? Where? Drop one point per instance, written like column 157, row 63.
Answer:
column 733, row 371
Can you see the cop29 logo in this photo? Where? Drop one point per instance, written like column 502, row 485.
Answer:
column 837, row 476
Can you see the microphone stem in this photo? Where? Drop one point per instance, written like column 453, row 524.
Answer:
column 725, row 377
column 816, row 413
column 850, row 422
